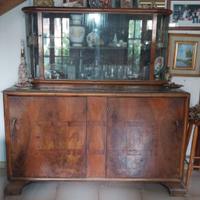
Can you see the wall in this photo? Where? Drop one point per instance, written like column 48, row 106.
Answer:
column 191, row 85
column 12, row 30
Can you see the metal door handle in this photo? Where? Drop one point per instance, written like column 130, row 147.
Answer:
column 13, row 123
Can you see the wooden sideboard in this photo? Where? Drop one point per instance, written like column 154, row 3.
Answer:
column 118, row 133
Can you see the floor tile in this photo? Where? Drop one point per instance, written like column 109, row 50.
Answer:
column 40, row 191
column 193, row 198
column 116, row 192
column 13, row 198
column 123, row 184
column 2, row 172
column 154, row 187
column 194, row 186
column 2, row 186
column 77, row 191
column 158, row 195
column 101, row 191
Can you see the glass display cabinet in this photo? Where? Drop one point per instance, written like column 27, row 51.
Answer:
column 98, row 45
column 95, row 109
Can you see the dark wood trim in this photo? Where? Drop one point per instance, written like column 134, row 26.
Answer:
column 186, row 75
column 153, row 45
column 185, row 134
column 62, row 93
column 6, row 5
column 105, row 10
column 7, row 131
column 29, row 179
column 97, row 82
column 15, row 187
column 180, row 28
column 184, row 35
column 197, row 150
column 175, row 189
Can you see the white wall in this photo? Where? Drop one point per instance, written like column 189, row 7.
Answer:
column 191, row 85
column 12, row 30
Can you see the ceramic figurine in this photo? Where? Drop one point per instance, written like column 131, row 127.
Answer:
column 23, row 80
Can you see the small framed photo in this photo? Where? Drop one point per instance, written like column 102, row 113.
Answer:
column 182, row 54
column 186, row 14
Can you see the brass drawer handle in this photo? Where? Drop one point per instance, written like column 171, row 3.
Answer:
column 13, row 123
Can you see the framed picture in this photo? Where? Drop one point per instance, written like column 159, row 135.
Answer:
column 182, row 54
column 185, row 55
column 186, row 14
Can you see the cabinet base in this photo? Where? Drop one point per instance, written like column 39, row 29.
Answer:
column 15, row 187
column 175, row 189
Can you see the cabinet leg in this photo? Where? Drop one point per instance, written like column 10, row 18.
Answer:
column 175, row 189
column 15, row 187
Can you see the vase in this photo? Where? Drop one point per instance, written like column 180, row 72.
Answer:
column 77, row 34
column 76, row 19
column 77, row 31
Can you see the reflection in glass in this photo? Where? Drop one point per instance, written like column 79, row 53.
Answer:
column 46, row 43
column 46, row 27
column 57, row 27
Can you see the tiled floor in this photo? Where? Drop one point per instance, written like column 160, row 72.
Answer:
column 99, row 191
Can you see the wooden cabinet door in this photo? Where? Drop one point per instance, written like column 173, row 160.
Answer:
column 48, row 136
column 96, row 136
column 145, row 137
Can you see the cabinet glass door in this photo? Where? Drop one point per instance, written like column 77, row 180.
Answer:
column 93, row 46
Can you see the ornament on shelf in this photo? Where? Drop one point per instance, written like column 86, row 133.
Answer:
column 58, row 3
column 23, row 80
column 43, row 2
column 77, row 30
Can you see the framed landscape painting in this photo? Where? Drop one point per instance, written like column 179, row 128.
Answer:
column 186, row 14
column 185, row 55
column 183, row 59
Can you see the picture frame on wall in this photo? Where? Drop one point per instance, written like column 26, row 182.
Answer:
column 182, row 54
column 185, row 55
column 185, row 14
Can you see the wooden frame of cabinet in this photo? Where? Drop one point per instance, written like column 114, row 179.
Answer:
column 154, row 13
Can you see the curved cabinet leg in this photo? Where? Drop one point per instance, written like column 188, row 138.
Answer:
column 175, row 189
column 15, row 187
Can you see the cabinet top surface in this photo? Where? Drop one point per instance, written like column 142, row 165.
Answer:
column 88, row 90
column 103, row 10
